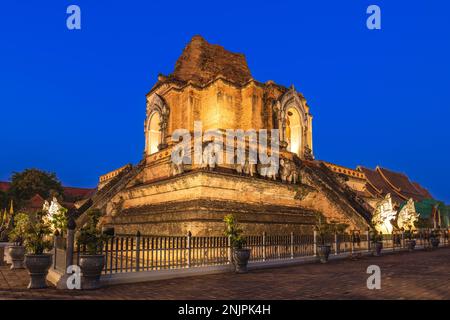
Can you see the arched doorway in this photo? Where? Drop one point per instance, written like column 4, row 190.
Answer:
column 293, row 131
column 154, row 133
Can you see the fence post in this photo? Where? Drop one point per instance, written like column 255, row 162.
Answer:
column 2, row 256
column 230, row 253
column 292, row 245
column 138, row 250
column 315, row 243
column 368, row 240
column 352, row 242
column 70, row 242
column 264, row 246
column 336, row 244
column 55, row 251
column 403, row 239
column 393, row 241
column 189, row 235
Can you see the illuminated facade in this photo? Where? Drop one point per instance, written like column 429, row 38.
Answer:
column 214, row 87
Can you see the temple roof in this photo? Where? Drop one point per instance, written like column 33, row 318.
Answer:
column 422, row 190
column 201, row 62
column 383, row 181
column 4, row 186
column 71, row 194
column 400, row 183
column 36, row 202
column 378, row 186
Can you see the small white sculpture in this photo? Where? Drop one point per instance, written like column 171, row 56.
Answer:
column 46, row 206
column 51, row 209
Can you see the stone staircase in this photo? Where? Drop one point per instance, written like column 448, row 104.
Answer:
column 340, row 193
column 105, row 194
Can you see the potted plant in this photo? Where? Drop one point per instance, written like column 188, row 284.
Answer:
column 240, row 254
column 16, row 236
column 37, row 242
column 92, row 261
column 434, row 238
column 324, row 233
column 377, row 242
column 410, row 241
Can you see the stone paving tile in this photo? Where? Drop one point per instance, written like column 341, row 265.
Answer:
column 416, row 275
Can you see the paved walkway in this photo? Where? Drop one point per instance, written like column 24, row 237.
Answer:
column 416, row 275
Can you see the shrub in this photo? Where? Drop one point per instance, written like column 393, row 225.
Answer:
column 32, row 232
column 21, row 222
column 90, row 236
column 326, row 230
column 59, row 220
column 37, row 235
column 233, row 232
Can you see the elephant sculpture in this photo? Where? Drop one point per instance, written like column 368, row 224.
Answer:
column 239, row 166
column 176, row 169
column 249, row 168
column 267, row 170
column 288, row 171
column 209, row 159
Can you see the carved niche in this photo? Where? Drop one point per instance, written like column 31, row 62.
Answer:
column 156, row 104
column 290, row 99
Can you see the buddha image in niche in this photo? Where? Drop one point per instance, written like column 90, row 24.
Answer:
column 288, row 127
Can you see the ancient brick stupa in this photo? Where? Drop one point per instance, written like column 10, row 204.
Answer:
column 215, row 86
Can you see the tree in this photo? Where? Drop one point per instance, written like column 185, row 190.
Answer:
column 3, row 199
column 26, row 184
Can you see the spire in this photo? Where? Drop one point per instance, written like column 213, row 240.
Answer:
column 3, row 218
column 11, row 208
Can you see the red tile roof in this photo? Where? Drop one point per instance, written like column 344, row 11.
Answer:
column 422, row 190
column 75, row 194
column 71, row 194
column 36, row 202
column 399, row 181
column 383, row 181
column 371, row 190
column 376, row 183
column 4, row 186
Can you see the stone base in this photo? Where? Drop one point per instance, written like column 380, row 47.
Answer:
column 197, row 201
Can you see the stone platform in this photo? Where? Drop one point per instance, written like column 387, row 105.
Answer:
column 198, row 200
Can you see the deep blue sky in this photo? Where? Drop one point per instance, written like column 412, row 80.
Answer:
column 73, row 102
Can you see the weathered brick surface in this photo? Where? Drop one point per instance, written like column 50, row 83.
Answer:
column 202, row 61
column 416, row 275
